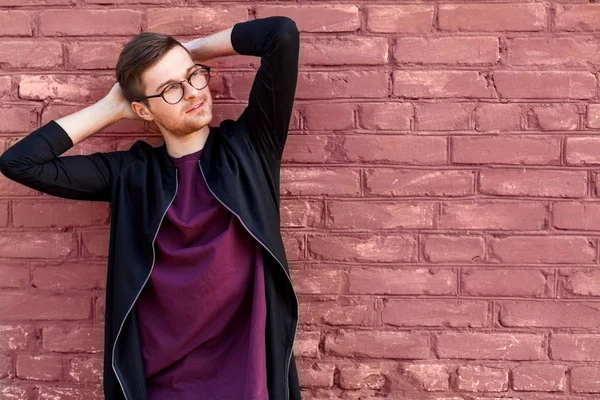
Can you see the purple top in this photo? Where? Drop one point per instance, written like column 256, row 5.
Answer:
column 202, row 313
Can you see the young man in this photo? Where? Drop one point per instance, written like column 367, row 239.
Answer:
column 199, row 301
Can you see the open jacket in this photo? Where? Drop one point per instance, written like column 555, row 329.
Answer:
column 241, row 165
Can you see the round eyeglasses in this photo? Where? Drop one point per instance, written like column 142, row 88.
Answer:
column 173, row 92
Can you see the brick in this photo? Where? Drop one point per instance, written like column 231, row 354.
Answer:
column 6, row 87
column 17, row 119
column 321, row 181
column 15, row 23
column 341, row 84
column 532, row 150
column 16, row 337
column 89, row 22
column 312, row 149
column 584, row 379
column 344, row 51
column 493, row 215
column 386, row 116
column 95, row 242
column 316, row 18
column 400, row 19
column 294, row 246
column 563, row 314
column 6, row 369
column 15, row 392
column 542, row 249
column 582, row 150
column 3, row 214
column 507, row 282
column 439, row 249
column 577, row 17
column 477, row 378
column 302, row 213
column 356, row 248
column 440, row 84
column 85, row 369
column 398, row 182
column 343, row 311
column 14, row 276
column 371, row 376
column 580, row 216
column 431, row 377
column 64, row 87
column 21, row 54
column 77, row 339
column 27, row 213
column 334, row 116
column 377, row 215
column 545, row 84
column 35, row 2
column 554, row 51
column 307, row 344
column 575, row 347
column 593, row 116
column 66, row 393
column 549, row 117
column 69, row 276
column 193, row 21
column 42, row 368
column 405, row 281
column 38, row 306
column 37, row 244
column 93, row 55
column 315, row 374
column 318, row 281
column 580, row 282
column 492, row 17
column 447, row 50
column 498, row 117
column 490, row 345
column 539, row 377
column 373, row 344
column 14, row 188
column 446, row 313
column 528, row 182
column 396, row 149
column 443, row 116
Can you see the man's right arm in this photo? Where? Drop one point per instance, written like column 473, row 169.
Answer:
column 34, row 160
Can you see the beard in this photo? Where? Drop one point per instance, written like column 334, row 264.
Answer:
column 190, row 123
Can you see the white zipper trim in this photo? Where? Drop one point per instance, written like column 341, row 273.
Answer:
column 148, row 277
column 286, row 274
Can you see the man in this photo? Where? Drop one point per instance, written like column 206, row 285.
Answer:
column 199, row 301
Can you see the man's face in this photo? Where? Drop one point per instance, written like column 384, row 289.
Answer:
column 177, row 119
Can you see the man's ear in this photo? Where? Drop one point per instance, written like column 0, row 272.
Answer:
column 141, row 110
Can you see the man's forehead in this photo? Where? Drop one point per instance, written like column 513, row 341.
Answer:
column 172, row 65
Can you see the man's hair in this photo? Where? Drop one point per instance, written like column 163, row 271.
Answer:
column 139, row 54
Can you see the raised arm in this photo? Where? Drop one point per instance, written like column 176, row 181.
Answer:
column 34, row 161
column 276, row 40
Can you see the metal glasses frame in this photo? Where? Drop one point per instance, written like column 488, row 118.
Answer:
column 180, row 83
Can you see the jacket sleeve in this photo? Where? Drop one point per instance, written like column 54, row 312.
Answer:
column 34, row 162
column 276, row 40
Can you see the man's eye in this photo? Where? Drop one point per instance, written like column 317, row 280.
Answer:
column 171, row 87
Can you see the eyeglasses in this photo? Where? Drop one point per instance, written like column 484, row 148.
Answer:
column 173, row 93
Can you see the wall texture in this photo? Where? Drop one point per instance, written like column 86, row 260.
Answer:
column 439, row 193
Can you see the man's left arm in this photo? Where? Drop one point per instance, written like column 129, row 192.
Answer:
column 276, row 40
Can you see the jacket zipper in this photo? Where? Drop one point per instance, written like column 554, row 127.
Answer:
column 148, row 277
column 286, row 274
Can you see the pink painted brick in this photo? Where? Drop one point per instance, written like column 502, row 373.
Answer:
column 16, row 23
column 399, row 182
column 90, row 22
column 548, row 117
column 414, row 18
column 492, row 17
column 545, row 84
column 447, row 50
column 440, row 84
column 577, row 17
column 193, row 21
column 440, row 248
column 542, row 249
column 533, row 182
column 386, row 116
column 443, row 116
column 341, row 84
column 496, row 117
column 535, row 150
column 554, row 51
column 317, row 17
column 344, row 51
column 495, row 215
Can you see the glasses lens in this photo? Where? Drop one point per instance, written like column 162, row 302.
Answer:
column 199, row 78
column 173, row 93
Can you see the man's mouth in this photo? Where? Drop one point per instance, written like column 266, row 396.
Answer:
column 196, row 107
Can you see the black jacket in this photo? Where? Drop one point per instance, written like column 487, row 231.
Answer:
column 241, row 165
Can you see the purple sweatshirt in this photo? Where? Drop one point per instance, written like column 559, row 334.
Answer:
column 202, row 313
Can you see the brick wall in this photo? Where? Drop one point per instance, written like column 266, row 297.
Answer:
column 439, row 193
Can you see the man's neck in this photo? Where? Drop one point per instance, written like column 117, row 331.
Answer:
column 191, row 143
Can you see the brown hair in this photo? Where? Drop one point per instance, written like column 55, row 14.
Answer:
column 140, row 53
